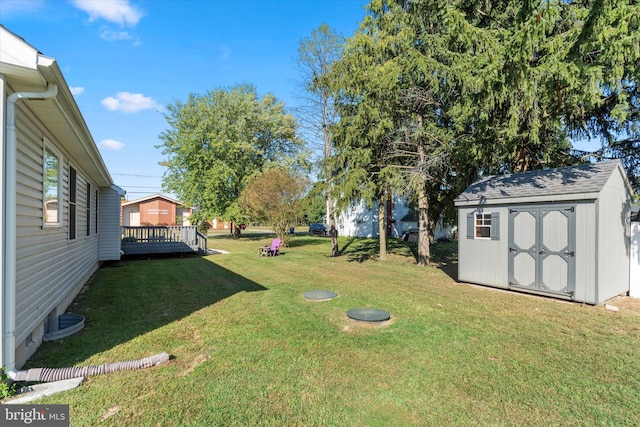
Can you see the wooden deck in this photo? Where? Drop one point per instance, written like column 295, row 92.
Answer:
column 162, row 240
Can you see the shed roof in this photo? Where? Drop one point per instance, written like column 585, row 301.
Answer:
column 583, row 182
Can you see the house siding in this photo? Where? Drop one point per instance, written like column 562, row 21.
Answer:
column 109, row 224
column 358, row 220
column 50, row 268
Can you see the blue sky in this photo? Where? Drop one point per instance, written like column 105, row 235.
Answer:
column 126, row 59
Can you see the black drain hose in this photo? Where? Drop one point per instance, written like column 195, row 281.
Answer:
column 57, row 374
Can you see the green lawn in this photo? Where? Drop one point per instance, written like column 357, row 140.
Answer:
column 248, row 349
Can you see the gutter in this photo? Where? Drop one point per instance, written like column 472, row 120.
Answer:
column 9, row 279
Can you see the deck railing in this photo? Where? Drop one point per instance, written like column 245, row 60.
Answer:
column 162, row 239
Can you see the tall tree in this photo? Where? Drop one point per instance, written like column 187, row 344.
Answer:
column 393, row 102
column 364, row 86
column 316, row 55
column 218, row 140
column 495, row 87
column 607, row 54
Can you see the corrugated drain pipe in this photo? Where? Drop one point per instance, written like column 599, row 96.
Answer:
column 57, row 374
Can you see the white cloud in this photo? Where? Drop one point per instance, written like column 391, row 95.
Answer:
column 116, row 11
column 76, row 90
column 111, row 144
column 112, row 36
column 128, row 102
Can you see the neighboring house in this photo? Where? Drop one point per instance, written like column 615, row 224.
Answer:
column 410, row 227
column 218, row 224
column 60, row 207
column 558, row 232
column 358, row 220
column 155, row 210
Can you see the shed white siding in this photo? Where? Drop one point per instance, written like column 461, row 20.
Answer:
column 483, row 252
column 614, row 211
column 586, row 259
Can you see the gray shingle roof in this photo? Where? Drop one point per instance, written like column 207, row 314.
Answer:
column 582, row 179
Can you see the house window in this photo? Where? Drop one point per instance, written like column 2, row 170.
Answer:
column 51, row 184
column 73, row 185
column 483, row 226
column 88, row 209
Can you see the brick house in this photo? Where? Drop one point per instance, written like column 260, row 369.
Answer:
column 156, row 209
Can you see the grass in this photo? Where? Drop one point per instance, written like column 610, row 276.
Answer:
column 248, row 349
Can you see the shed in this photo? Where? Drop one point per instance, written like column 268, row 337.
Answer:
column 561, row 232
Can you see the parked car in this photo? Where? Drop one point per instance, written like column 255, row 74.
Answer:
column 318, row 229
column 410, row 235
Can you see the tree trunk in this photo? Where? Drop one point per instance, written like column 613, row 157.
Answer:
column 235, row 230
column 334, row 240
column 382, row 230
column 424, row 251
column 333, row 232
column 331, row 218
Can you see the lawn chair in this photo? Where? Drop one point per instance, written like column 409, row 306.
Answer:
column 272, row 250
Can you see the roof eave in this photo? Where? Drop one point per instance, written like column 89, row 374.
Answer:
column 559, row 198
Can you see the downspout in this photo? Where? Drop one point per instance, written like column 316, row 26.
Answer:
column 9, row 279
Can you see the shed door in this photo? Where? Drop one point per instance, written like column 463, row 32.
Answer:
column 542, row 249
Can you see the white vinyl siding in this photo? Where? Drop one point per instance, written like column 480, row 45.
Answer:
column 109, row 224
column 50, row 269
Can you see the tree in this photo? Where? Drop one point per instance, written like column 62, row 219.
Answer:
column 390, row 134
column 364, row 88
column 218, row 140
column 607, row 52
column 314, row 205
column 494, row 87
column 274, row 197
column 316, row 55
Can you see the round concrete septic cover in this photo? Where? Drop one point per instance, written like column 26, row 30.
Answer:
column 368, row 314
column 320, row 295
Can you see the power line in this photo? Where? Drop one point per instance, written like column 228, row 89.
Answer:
column 133, row 174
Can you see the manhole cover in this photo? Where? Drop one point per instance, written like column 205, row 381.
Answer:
column 320, row 295
column 368, row 314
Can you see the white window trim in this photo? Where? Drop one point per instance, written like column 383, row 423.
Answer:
column 47, row 146
column 484, row 215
